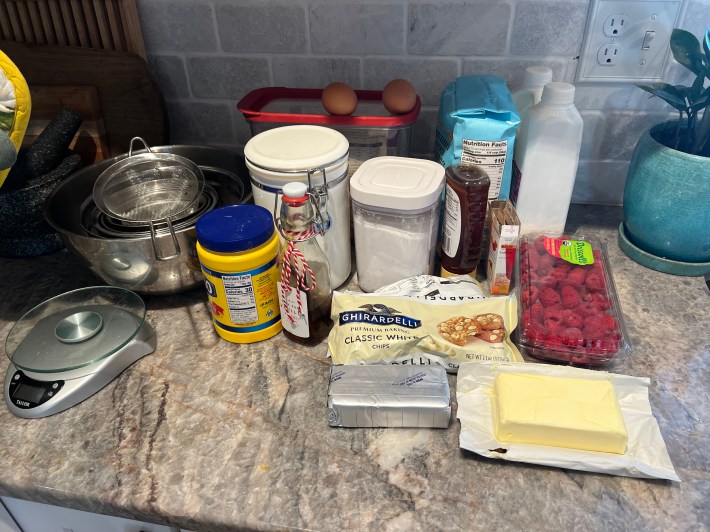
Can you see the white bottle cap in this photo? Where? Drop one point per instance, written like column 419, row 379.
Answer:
column 557, row 92
column 537, row 76
column 295, row 190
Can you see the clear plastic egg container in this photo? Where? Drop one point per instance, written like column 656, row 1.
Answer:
column 371, row 130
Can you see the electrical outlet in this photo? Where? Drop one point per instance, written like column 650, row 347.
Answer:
column 608, row 54
column 614, row 24
column 627, row 40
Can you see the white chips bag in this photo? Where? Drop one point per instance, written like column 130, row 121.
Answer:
column 440, row 329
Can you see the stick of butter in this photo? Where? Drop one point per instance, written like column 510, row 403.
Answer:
column 560, row 412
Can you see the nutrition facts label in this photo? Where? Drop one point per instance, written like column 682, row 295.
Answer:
column 489, row 155
column 239, row 292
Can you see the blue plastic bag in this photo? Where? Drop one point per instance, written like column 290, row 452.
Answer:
column 477, row 124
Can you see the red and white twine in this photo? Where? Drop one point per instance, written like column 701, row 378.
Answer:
column 294, row 261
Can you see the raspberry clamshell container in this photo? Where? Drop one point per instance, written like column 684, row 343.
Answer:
column 569, row 311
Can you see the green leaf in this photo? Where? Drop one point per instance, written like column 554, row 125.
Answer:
column 686, row 50
column 671, row 94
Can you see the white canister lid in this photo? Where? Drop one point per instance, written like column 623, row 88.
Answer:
column 278, row 156
column 400, row 183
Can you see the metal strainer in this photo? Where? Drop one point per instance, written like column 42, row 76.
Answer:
column 148, row 188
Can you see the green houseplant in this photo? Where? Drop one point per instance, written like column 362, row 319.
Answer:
column 667, row 193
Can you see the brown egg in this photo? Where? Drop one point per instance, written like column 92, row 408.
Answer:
column 339, row 99
column 399, row 96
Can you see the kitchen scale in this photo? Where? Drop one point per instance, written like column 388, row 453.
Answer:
column 69, row 347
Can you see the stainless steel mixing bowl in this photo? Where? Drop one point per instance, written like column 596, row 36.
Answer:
column 130, row 262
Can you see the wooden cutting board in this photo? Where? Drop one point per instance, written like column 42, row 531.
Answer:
column 130, row 100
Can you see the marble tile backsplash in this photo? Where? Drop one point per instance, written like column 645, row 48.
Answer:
column 207, row 55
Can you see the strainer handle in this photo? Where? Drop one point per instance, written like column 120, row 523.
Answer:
column 153, row 238
column 145, row 144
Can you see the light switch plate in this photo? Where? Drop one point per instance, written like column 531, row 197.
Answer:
column 627, row 40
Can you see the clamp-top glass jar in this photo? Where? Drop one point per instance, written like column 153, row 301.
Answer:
column 318, row 157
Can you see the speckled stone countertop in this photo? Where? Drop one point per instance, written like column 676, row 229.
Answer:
column 207, row 435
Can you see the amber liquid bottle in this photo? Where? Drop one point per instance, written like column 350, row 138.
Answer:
column 305, row 293
column 464, row 218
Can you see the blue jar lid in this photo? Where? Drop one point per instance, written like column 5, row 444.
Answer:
column 234, row 228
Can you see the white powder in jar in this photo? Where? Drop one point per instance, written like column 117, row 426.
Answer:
column 391, row 246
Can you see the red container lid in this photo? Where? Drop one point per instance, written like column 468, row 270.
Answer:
column 252, row 104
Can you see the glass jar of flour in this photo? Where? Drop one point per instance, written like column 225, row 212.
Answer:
column 318, row 157
column 396, row 203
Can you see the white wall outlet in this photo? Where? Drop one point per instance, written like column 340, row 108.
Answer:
column 627, row 40
column 608, row 54
column 615, row 24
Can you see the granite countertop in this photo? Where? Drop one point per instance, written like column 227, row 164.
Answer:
column 208, row 435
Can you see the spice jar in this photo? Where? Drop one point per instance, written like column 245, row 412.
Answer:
column 464, row 217
column 305, row 293
column 237, row 247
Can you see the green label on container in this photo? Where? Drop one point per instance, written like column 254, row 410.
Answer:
column 574, row 251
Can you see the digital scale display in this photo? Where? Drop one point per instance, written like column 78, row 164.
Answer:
column 26, row 392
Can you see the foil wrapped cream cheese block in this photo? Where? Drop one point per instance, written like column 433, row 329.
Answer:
column 559, row 412
column 388, row 396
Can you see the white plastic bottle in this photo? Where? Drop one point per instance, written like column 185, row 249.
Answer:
column 545, row 162
column 536, row 77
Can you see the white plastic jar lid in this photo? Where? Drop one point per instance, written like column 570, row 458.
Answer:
column 287, row 153
column 400, row 183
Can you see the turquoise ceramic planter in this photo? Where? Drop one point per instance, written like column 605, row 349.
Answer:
column 667, row 201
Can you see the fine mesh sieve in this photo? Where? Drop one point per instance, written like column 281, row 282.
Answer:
column 149, row 188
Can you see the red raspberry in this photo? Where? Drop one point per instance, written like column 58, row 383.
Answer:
column 553, row 312
column 597, row 300
column 611, row 325
column 548, row 296
column 572, row 319
column 544, row 264
column 559, row 272
column 533, row 260
column 594, row 328
column 576, row 276
column 534, row 293
column 594, row 282
column 553, row 327
column 572, row 337
column 536, row 312
column 563, row 265
column 587, row 309
column 570, row 297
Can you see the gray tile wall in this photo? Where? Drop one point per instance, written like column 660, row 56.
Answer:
column 208, row 54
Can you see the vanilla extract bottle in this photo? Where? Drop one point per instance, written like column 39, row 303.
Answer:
column 305, row 292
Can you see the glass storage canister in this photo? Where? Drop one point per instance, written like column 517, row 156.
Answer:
column 396, row 204
column 305, row 293
column 318, row 157
column 464, row 217
column 238, row 247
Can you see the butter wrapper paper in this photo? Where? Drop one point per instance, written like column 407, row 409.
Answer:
column 389, row 396
column 646, row 455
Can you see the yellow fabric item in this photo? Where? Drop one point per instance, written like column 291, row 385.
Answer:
column 15, row 92
column 559, row 412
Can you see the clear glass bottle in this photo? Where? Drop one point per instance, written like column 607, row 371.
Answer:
column 305, row 292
